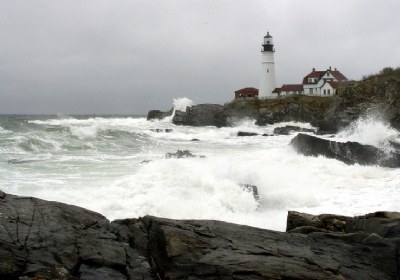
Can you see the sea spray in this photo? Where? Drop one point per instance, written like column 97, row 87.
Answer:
column 121, row 171
column 179, row 104
column 371, row 130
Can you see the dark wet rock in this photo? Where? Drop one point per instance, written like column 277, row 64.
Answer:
column 395, row 146
column 270, row 118
column 49, row 240
column 18, row 161
column 243, row 133
column 192, row 249
column 286, row 130
column 195, row 139
column 182, row 154
column 166, row 130
column 385, row 224
column 146, row 161
column 348, row 152
column 202, row 115
column 330, row 126
column 266, row 135
column 252, row 189
column 158, row 115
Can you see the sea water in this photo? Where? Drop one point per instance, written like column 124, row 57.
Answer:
column 116, row 165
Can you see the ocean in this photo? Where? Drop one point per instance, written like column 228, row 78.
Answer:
column 116, row 165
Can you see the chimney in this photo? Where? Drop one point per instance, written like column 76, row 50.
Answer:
column 330, row 68
column 313, row 69
column 335, row 69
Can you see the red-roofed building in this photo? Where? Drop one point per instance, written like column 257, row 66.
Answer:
column 323, row 83
column 291, row 89
column 316, row 83
column 246, row 93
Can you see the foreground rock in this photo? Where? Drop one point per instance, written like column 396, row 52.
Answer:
column 348, row 152
column 202, row 115
column 48, row 240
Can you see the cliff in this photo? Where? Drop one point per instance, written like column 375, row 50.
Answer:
column 378, row 94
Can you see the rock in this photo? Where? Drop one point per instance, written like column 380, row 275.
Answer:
column 384, row 224
column 195, row 139
column 49, row 240
column 251, row 188
column 327, row 126
column 243, row 133
column 157, row 114
column 167, row 130
column 286, row 130
column 189, row 249
column 270, row 118
column 348, row 152
column 182, row 154
column 202, row 115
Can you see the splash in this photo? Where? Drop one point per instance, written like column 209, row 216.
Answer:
column 371, row 130
column 182, row 103
column 179, row 104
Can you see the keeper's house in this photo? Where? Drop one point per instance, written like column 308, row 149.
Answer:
column 316, row 83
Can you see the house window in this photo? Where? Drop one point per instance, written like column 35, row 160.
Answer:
column 329, row 91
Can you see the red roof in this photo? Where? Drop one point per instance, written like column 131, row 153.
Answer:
column 292, row 87
column 313, row 74
column 339, row 76
column 333, row 84
column 247, row 90
column 277, row 90
column 318, row 74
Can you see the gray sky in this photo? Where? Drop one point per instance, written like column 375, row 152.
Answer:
column 130, row 56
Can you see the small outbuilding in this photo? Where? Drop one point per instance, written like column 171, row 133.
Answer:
column 246, row 93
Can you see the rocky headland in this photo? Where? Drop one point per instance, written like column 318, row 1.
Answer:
column 377, row 94
column 49, row 240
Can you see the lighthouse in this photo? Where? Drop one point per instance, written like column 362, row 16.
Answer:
column 267, row 83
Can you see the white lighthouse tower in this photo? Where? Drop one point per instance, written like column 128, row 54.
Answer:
column 267, row 83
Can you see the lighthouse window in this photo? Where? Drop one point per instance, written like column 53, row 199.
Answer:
column 267, row 70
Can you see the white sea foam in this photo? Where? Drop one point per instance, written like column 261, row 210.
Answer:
column 182, row 103
column 100, row 166
column 371, row 131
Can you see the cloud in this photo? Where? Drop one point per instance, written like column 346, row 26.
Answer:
column 132, row 56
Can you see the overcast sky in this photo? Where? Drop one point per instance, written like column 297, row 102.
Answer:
column 130, row 56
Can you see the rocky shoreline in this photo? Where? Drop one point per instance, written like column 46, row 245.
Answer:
column 50, row 240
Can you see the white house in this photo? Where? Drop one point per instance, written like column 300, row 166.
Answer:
column 316, row 83
column 323, row 83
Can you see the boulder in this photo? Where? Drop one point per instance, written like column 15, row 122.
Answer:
column 202, row 115
column 190, row 249
column 182, row 154
column 385, row 224
column 252, row 189
column 48, row 240
column 286, row 130
column 348, row 152
column 158, row 115
column 159, row 130
column 243, row 133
